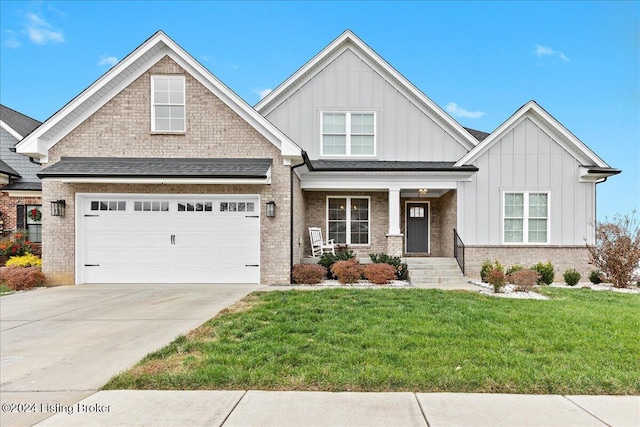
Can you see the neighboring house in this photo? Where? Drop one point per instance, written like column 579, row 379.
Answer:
column 168, row 176
column 20, row 187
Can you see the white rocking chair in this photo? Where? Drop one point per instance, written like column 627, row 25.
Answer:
column 318, row 246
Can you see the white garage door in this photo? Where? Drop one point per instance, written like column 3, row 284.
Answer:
column 168, row 239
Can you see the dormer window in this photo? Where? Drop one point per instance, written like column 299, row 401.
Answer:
column 167, row 104
column 348, row 134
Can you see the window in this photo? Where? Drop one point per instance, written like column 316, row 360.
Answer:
column 348, row 220
column 150, row 206
column 167, row 104
column 112, row 205
column 236, row 207
column 526, row 217
column 34, row 222
column 348, row 134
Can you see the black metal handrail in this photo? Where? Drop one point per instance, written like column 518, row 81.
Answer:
column 458, row 250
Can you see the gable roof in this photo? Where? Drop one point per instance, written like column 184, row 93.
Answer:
column 5, row 169
column 563, row 136
column 125, row 72
column 348, row 40
column 17, row 124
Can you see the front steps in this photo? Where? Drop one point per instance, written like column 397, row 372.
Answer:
column 432, row 271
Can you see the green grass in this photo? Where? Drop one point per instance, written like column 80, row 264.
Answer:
column 580, row 342
column 4, row 290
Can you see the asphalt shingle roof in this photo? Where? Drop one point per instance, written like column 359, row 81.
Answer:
column 23, row 186
column 478, row 134
column 5, row 169
column 22, row 124
column 157, row 168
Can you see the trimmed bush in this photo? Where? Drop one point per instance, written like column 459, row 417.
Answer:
column 546, row 272
column 379, row 273
column 524, row 280
column 328, row 259
column 28, row 260
column 308, row 273
column 347, row 271
column 486, row 268
column 401, row 269
column 496, row 278
column 596, row 277
column 571, row 277
column 514, row 268
column 18, row 278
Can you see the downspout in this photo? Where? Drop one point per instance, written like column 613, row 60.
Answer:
column 304, row 162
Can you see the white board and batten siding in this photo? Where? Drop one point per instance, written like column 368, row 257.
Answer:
column 527, row 158
column 348, row 83
column 125, row 238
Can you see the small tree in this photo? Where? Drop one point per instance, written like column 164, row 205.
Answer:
column 617, row 249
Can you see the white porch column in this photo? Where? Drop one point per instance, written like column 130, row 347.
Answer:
column 394, row 212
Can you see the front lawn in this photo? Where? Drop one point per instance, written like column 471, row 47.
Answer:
column 579, row 342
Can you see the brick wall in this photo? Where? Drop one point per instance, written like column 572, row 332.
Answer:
column 562, row 258
column 8, row 208
column 316, row 216
column 121, row 128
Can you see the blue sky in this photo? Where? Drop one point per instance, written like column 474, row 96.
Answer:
column 480, row 61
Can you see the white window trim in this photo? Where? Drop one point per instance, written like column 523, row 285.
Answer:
column 348, row 220
column 348, row 134
column 526, row 217
column 153, row 104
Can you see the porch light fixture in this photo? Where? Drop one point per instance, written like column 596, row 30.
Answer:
column 423, row 191
column 271, row 209
column 57, row 207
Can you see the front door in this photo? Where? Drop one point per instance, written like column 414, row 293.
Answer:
column 417, row 224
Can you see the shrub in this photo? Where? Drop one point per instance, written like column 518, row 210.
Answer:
column 486, row 268
column 596, row 277
column 514, row 268
column 524, row 280
column 401, row 269
column 328, row 259
column 308, row 273
column 28, row 260
column 496, row 279
column 546, row 272
column 379, row 273
column 571, row 277
column 16, row 245
column 617, row 249
column 18, row 278
column 347, row 271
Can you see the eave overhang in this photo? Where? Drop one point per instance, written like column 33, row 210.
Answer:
column 596, row 174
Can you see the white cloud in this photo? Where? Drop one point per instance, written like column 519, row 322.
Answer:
column 107, row 60
column 455, row 110
column 262, row 92
column 42, row 32
column 11, row 40
column 542, row 51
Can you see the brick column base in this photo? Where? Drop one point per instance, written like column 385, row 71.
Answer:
column 395, row 244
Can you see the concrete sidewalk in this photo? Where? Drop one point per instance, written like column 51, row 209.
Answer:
column 293, row 408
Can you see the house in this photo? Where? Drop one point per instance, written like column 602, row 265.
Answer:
column 158, row 172
column 20, row 187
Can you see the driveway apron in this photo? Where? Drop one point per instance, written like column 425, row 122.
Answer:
column 60, row 345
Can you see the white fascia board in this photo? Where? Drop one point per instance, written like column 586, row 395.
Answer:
column 11, row 130
column 376, row 62
column 542, row 119
column 185, row 181
column 23, row 193
column 381, row 182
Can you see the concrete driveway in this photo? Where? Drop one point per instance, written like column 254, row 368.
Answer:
column 60, row 345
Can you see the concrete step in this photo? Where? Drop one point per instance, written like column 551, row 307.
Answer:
column 431, row 280
column 429, row 260
column 434, row 270
column 432, row 273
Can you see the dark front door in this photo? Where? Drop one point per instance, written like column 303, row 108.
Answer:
column 417, row 227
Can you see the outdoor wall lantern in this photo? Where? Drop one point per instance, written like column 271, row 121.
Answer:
column 271, row 209
column 57, row 207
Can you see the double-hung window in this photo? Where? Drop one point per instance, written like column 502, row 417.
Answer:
column 167, row 103
column 526, row 217
column 348, row 220
column 348, row 134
